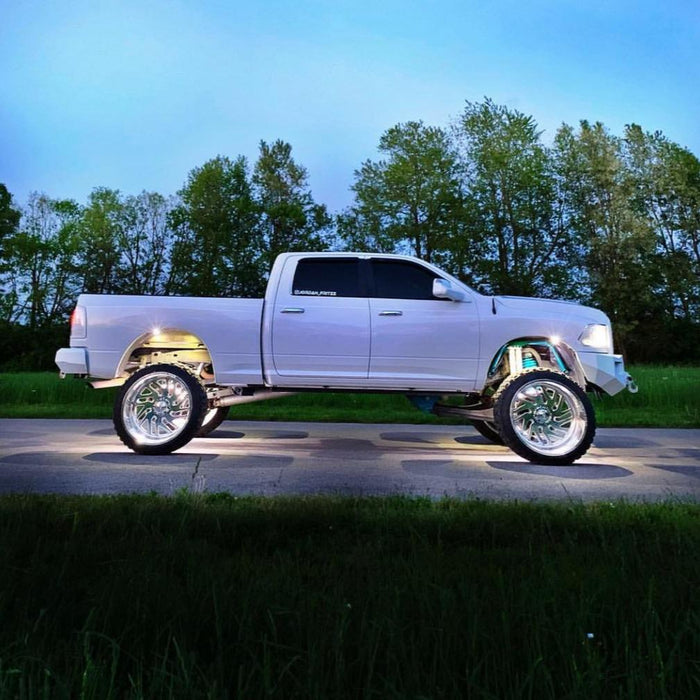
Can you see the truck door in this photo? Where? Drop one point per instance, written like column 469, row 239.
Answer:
column 418, row 340
column 320, row 321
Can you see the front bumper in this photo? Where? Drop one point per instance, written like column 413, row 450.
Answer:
column 72, row 361
column 606, row 372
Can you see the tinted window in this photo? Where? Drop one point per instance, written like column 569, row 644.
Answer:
column 402, row 280
column 327, row 277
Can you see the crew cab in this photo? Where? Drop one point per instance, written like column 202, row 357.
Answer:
column 355, row 322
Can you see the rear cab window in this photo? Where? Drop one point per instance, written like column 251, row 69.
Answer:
column 328, row 277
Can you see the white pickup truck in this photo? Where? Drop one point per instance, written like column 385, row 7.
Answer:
column 350, row 322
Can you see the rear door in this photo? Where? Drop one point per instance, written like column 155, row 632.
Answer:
column 320, row 322
column 418, row 340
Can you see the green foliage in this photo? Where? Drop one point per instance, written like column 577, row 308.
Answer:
column 410, row 201
column 218, row 246
column 9, row 223
column 666, row 181
column 25, row 349
column 667, row 398
column 144, row 243
column 290, row 218
column 231, row 225
column 9, row 216
column 102, row 227
column 41, row 260
column 215, row 596
column 512, row 189
column 607, row 220
column 616, row 240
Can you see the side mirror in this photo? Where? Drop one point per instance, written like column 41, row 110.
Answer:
column 444, row 290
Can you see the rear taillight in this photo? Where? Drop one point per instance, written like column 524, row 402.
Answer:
column 78, row 322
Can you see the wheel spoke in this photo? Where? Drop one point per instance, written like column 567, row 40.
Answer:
column 548, row 417
column 156, row 408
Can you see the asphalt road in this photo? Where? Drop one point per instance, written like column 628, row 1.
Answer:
column 85, row 456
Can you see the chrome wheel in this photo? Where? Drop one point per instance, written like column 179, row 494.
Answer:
column 544, row 416
column 157, row 408
column 548, row 417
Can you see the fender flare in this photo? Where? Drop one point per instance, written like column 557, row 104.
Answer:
column 141, row 340
column 563, row 354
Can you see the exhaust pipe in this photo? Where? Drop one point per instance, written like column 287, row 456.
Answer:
column 236, row 399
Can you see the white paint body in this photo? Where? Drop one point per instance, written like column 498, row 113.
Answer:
column 361, row 343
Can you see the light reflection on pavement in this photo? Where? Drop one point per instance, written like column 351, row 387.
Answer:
column 265, row 458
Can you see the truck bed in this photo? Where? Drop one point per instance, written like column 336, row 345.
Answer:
column 230, row 329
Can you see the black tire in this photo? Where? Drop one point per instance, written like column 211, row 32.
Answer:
column 213, row 418
column 159, row 409
column 488, row 430
column 544, row 416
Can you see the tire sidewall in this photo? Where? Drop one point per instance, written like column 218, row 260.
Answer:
column 488, row 431
column 501, row 413
column 198, row 399
column 214, row 423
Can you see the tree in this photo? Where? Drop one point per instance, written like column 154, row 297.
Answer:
column 9, row 216
column 144, row 241
column 512, row 194
column 666, row 179
column 615, row 238
column 9, row 222
column 43, row 256
column 218, row 246
column 290, row 218
column 409, row 201
column 102, row 232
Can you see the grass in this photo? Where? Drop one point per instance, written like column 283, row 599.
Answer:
column 668, row 397
column 212, row 596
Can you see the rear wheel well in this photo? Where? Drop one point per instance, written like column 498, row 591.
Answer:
column 169, row 346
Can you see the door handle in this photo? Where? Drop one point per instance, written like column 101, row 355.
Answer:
column 391, row 313
column 293, row 310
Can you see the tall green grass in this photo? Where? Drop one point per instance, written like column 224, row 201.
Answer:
column 214, row 597
column 668, row 397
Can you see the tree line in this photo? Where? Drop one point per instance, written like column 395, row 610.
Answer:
column 608, row 220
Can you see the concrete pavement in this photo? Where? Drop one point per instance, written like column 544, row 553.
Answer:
column 85, row 456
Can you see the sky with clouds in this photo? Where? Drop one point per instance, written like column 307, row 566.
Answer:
column 133, row 94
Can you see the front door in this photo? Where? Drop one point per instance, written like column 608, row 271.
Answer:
column 418, row 340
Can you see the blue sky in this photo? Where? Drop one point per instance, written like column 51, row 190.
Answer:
column 134, row 94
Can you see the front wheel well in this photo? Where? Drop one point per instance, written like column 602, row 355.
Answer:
column 522, row 354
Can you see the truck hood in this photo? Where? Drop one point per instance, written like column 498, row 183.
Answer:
column 552, row 308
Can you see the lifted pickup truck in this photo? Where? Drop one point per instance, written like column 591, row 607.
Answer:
column 350, row 322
